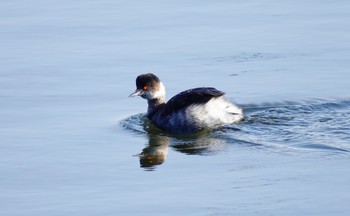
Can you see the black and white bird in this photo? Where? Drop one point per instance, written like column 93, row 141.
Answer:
column 188, row 112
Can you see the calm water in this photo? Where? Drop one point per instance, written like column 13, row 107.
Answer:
column 73, row 143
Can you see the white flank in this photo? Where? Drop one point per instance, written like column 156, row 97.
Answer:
column 216, row 112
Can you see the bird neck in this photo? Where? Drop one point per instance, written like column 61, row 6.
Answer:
column 154, row 104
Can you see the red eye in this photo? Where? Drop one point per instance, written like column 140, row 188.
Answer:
column 145, row 88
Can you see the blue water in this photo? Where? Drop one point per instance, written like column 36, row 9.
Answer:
column 314, row 126
column 73, row 143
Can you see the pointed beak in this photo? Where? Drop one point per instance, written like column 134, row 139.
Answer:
column 138, row 92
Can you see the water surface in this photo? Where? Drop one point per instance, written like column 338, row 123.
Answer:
column 73, row 143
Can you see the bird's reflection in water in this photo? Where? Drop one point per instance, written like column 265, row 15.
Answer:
column 157, row 150
column 203, row 143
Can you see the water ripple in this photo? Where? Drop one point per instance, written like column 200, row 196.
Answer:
column 316, row 125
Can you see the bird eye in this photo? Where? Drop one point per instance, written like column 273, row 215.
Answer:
column 145, row 88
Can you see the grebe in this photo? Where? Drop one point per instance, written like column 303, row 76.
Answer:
column 188, row 112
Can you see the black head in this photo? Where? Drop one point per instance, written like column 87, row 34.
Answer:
column 149, row 87
column 147, row 81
